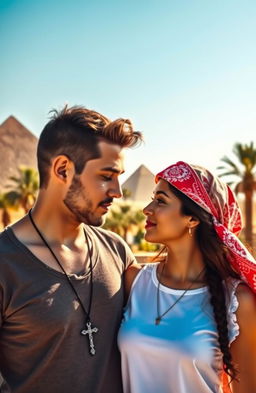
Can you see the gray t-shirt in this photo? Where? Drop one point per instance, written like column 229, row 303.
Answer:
column 41, row 348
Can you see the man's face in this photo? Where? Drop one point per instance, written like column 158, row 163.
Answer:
column 92, row 192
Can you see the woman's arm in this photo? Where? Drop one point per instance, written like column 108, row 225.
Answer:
column 243, row 349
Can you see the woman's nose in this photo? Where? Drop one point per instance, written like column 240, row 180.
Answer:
column 148, row 209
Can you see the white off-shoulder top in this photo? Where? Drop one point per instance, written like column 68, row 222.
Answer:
column 181, row 354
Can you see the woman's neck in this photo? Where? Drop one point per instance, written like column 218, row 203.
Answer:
column 183, row 265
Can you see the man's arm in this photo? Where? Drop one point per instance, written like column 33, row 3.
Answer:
column 129, row 277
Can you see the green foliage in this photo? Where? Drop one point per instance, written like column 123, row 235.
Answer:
column 126, row 193
column 122, row 218
column 7, row 200
column 245, row 156
column 148, row 247
column 139, row 237
column 244, row 170
column 25, row 187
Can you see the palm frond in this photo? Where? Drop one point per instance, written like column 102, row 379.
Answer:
column 229, row 162
column 228, row 173
column 246, row 155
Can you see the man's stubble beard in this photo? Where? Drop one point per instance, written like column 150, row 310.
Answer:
column 84, row 215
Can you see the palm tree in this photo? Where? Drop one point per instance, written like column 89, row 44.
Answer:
column 25, row 187
column 126, row 193
column 7, row 200
column 122, row 217
column 245, row 174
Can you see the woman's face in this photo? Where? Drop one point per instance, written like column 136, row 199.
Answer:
column 165, row 223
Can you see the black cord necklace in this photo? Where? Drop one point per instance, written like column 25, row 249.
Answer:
column 89, row 329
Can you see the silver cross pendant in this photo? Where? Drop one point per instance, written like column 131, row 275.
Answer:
column 90, row 331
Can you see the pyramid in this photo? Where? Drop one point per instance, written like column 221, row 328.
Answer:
column 17, row 148
column 140, row 184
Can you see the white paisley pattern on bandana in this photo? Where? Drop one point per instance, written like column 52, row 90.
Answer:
column 216, row 197
column 230, row 240
column 178, row 173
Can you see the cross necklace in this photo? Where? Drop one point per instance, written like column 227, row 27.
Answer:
column 89, row 329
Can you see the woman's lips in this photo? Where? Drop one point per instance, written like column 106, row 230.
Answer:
column 149, row 224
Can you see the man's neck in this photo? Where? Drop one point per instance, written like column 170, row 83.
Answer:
column 66, row 240
column 56, row 224
column 58, row 227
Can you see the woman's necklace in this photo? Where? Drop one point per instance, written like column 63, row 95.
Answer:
column 89, row 329
column 159, row 315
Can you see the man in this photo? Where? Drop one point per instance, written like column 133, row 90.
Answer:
column 61, row 290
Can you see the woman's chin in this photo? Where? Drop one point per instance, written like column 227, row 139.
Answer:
column 149, row 238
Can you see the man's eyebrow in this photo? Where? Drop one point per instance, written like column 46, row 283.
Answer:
column 162, row 192
column 110, row 169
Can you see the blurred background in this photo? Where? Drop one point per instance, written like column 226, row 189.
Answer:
column 184, row 71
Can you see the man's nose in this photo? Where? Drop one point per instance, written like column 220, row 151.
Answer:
column 115, row 191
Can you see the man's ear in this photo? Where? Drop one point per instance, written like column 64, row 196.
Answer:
column 63, row 168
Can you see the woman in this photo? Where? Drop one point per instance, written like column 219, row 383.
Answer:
column 191, row 316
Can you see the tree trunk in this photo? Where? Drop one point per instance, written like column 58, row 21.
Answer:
column 125, row 229
column 6, row 219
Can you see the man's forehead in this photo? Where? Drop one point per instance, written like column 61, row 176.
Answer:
column 110, row 160
column 110, row 149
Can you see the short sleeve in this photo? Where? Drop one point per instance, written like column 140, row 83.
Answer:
column 232, row 306
column 129, row 256
column 116, row 245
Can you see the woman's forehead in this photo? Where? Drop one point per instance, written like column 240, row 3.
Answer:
column 162, row 185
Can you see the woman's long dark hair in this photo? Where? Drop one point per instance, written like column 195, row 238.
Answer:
column 218, row 270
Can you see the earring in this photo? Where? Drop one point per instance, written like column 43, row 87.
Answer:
column 190, row 232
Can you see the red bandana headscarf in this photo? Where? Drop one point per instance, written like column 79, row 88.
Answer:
column 218, row 199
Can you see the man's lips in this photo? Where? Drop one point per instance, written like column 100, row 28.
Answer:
column 106, row 204
column 149, row 224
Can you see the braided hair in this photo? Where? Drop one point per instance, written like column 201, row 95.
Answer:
column 217, row 271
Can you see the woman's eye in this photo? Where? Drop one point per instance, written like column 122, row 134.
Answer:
column 158, row 200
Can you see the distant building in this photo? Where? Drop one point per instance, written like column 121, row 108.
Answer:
column 140, row 186
column 17, row 148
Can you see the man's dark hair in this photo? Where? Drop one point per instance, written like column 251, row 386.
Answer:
column 75, row 132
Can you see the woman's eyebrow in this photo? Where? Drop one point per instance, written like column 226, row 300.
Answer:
column 161, row 192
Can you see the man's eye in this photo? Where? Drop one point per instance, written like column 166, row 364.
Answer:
column 106, row 178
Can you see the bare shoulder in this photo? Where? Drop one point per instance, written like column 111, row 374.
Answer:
column 243, row 348
column 130, row 275
column 246, row 311
column 246, row 300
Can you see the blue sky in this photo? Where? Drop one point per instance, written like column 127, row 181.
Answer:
column 183, row 70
